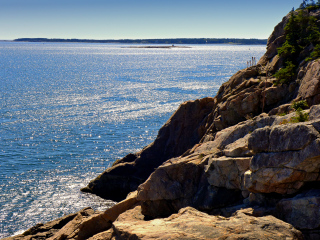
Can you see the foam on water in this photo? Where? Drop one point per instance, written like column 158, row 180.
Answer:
column 68, row 111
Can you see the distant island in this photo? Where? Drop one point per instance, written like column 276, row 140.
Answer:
column 252, row 41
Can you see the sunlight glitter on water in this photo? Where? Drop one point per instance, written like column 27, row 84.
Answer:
column 68, row 111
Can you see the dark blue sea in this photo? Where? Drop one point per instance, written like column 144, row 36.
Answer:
column 69, row 110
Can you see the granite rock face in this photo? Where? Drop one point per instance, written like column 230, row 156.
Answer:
column 48, row 230
column 248, row 93
column 179, row 183
column 261, row 156
column 310, row 83
column 189, row 223
column 289, row 158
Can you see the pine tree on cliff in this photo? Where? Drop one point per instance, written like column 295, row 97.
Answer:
column 303, row 5
column 302, row 33
column 290, row 49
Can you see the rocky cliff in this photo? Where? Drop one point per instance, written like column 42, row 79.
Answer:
column 242, row 165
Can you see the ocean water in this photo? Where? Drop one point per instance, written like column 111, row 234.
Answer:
column 68, row 111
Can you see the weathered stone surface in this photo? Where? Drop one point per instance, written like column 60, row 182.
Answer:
column 275, row 94
column 310, row 84
column 291, row 158
column 47, row 230
column 287, row 137
column 103, row 221
column 282, row 109
column 227, row 172
column 314, row 113
column 179, row 176
column 263, row 144
column 231, row 134
column 238, row 148
column 179, row 183
column 192, row 224
column 103, row 236
column 86, row 224
column 302, row 211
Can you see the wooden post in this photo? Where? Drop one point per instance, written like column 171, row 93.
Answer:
column 264, row 92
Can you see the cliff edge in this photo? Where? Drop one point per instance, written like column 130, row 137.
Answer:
column 242, row 165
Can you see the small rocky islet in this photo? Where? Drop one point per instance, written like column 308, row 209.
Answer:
column 242, row 165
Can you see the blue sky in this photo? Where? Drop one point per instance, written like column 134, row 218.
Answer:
column 141, row 19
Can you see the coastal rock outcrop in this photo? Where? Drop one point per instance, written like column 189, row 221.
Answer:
column 182, row 131
column 179, row 183
column 259, row 156
column 248, row 93
column 82, row 225
column 289, row 158
column 242, row 156
column 49, row 229
column 189, row 223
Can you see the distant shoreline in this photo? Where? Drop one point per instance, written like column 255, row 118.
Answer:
column 239, row 41
column 166, row 47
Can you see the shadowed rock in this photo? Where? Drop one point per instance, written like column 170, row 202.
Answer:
column 182, row 131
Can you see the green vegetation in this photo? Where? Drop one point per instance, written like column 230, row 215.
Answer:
column 315, row 53
column 301, row 32
column 301, row 104
column 300, row 115
column 309, row 4
column 285, row 75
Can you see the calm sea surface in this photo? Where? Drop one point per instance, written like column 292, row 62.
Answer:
column 68, row 111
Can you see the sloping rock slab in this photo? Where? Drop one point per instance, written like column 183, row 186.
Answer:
column 181, row 132
column 189, row 223
column 49, row 229
column 82, row 228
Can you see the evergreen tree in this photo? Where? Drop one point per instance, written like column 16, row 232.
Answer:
column 301, row 32
column 290, row 48
column 303, row 5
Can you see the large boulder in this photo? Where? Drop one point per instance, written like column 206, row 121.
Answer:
column 207, row 177
column 189, row 223
column 310, row 84
column 286, row 157
column 227, row 172
column 179, row 183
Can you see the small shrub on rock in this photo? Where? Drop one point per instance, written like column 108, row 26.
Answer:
column 300, row 104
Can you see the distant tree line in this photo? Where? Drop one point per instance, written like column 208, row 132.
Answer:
column 252, row 41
